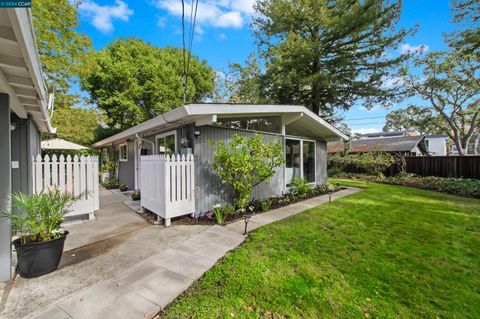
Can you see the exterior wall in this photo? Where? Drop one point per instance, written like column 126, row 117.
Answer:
column 5, row 189
column 321, row 162
column 126, row 170
column 25, row 146
column 209, row 189
column 437, row 146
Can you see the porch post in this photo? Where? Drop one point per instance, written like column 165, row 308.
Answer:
column 5, row 189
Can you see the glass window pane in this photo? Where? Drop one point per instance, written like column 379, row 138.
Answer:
column 170, row 144
column 309, row 161
column 292, row 160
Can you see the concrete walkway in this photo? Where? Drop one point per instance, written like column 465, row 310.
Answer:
column 148, row 285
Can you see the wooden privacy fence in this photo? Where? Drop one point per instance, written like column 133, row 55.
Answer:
column 441, row 166
column 168, row 184
column 77, row 176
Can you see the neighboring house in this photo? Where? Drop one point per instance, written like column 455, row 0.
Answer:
column 390, row 134
column 406, row 145
column 473, row 147
column 23, row 115
column 437, row 145
column 190, row 129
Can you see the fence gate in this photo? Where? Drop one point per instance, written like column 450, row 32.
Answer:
column 77, row 176
column 168, row 185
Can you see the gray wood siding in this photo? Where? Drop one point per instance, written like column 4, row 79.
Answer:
column 126, row 170
column 209, row 188
column 321, row 158
column 25, row 140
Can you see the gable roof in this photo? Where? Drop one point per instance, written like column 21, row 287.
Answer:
column 21, row 74
column 297, row 118
column 393, row 144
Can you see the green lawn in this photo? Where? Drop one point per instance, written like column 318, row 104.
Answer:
column 386, row 252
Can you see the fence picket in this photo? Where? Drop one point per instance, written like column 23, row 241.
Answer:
column 61, row 173
column 75, row 177
column 168, row 185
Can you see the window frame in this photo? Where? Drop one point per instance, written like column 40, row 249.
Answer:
column 301, row 159
column 120, row 152
column 164, row 135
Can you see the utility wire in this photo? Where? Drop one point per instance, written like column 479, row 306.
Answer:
column 184, row 74
column 186, row 61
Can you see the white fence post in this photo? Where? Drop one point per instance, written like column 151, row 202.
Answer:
column 79, row 176
column 168, row 185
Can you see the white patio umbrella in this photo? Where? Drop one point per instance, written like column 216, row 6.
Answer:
column 61, row 144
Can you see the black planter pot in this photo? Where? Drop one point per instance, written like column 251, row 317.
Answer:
column 37, row 259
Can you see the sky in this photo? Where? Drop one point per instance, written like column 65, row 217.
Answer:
column 223, row 34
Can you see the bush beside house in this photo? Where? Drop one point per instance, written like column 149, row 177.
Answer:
column 456, row 186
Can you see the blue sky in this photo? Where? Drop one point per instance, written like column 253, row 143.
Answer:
column 223, row 33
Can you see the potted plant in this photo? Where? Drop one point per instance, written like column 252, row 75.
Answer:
column 136, row 195
column 37, row 222
column 123, row 187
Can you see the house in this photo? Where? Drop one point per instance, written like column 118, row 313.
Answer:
column 406, row 145
column 23, row 115
column 390, row 134
column 190, row 129
column 437, row 145
column 473, row 147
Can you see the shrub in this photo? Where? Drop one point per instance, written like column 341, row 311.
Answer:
column 456, row 186
column 110, row 182
column 136, row 195
column 300, row 187
column 245, row 163
column 372, row 163
column 220, row 214
column 39, row 217
column 266, row 204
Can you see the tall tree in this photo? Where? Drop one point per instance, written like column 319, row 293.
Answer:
column 77, row 125
column 133, row 81
column 239, row 83
column 422, row 119
column 63, row 50
column 467, row 13
column 327, row 54
column 449, row 84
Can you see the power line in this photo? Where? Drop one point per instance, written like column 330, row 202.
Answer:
column 364, row 118
column 184, row 75
column 186, row 62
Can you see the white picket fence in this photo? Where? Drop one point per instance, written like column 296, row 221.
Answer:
column 168, row 184
column 77, row 176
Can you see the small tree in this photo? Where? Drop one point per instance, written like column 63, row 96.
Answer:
column 245, row 163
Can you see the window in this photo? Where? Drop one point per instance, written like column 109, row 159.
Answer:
column 123, row 152
column 166, row 143
column 272, row 124
column 299, row 160
column 309, row 161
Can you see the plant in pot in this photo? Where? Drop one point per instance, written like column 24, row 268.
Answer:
column 123, row 187
column 136, row 195
column 37, row 222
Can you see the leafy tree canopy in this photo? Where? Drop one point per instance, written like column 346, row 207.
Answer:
column 239, row 84
column 422, row 119
column 328, row 55
column 63, row 51
column 466, row 13
column 76, row 125
column 133, row 81
column 449, row 84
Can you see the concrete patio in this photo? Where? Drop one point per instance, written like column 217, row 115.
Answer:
column 134, row 273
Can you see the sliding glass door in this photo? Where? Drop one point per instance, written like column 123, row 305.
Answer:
column 292, row 160
column 299, row 160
